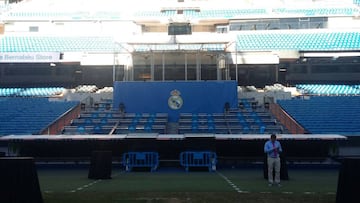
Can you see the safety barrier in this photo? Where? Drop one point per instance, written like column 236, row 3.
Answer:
column 140, row 159
column 198, row 159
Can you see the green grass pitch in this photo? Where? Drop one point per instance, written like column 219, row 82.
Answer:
column 235, row 185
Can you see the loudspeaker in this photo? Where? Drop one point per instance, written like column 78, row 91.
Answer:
column 348, row 181
column 19, row 181
column 100, row 166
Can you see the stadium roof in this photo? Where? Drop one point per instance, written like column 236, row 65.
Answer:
column 245, row 137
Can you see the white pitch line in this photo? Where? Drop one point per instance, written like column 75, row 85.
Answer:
column 90, row 184
column 84, row 186
column 235, row 187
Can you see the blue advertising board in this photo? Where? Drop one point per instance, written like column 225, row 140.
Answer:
column 175, row 97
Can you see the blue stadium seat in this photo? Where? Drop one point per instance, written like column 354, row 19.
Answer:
column 132, row 128
column 28, row 115
column 56, row 44
column 97, row 129
column 148, row 128
column 81, row 130
column 326, row 114
column 305, row 40
column 262, row 129
column 328, row 89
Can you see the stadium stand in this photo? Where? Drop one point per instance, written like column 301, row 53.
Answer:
column 347, row 11
column 328, row 89
column 357, row 2
column 111, row 122
column 325, row 114
column 102, row 42
column 28, row 116
column 32, row 92
column 202, row 123
column 56, row 44
column 298, row 40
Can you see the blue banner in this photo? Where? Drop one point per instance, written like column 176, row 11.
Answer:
column 175, row 97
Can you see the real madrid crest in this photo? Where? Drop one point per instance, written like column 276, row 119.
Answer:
column 175, row 101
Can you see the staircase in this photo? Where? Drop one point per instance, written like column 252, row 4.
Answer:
column 172, row 128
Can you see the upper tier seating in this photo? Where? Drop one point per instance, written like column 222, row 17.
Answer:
column 57, row 44
column 31, row 92
column 357, row 2
column 304, row 40
column 328, row 89
column 252, row 12
column 114, row 10
column 309, row 12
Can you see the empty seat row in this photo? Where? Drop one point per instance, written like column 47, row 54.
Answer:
column 26, row 116
column 233, row 122
column 31, row 92
column 99, row 122
column 328, row 89
column 325, row 114
column 56, row 44
column 113, row 129
column 298, row 40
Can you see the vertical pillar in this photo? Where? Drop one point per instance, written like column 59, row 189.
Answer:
column 186, row 67
column 163, row 67
column 198, row 66
column 114, row 66
column 236, row 65
column 220, row 66
column 227, row 72
column 152, row 67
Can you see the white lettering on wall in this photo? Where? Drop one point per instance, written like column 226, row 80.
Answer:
column 20, row 57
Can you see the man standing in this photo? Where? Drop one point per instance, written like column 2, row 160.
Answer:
column 273, row 149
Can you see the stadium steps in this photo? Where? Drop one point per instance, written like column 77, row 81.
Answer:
column 172, row 128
